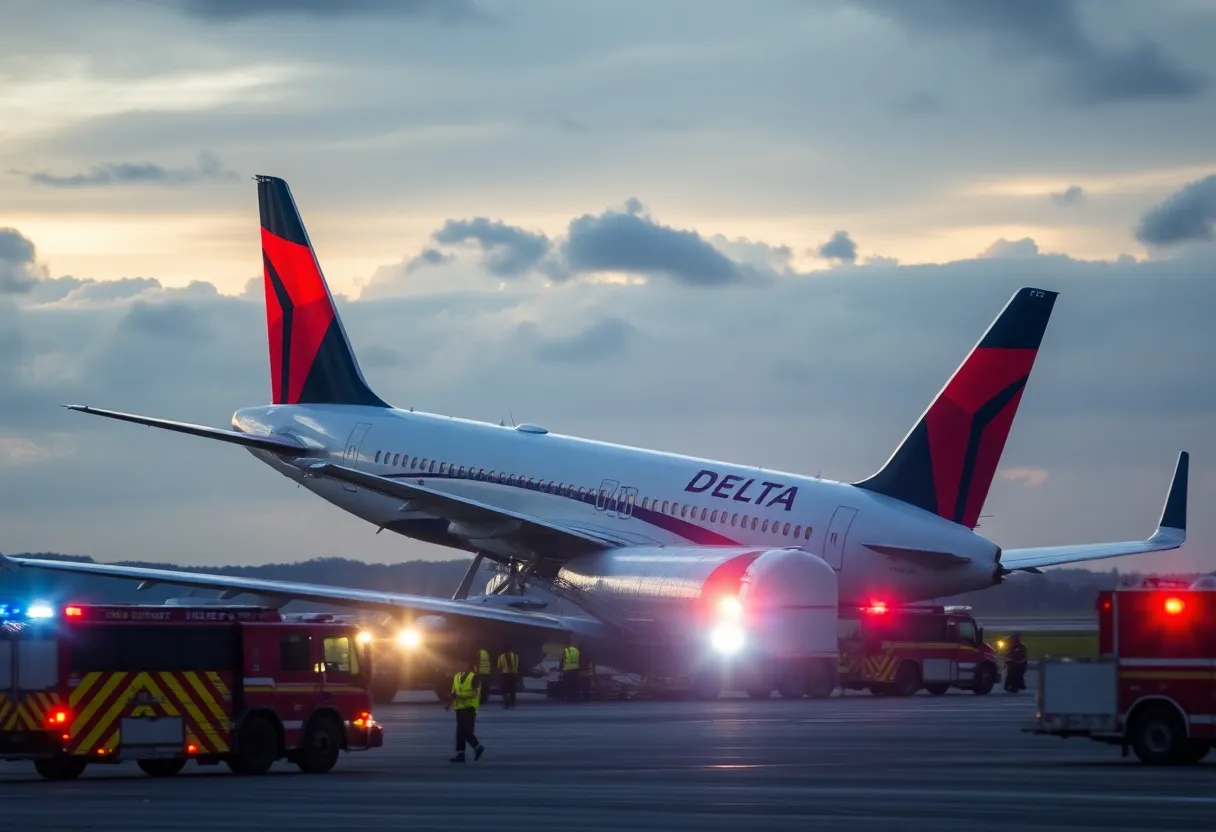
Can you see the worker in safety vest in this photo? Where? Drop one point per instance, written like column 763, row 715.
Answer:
column 483, row 671
column 586, row 673
column 466, row 699
column 508, row 675
column 1015, row 665
column 570, row 671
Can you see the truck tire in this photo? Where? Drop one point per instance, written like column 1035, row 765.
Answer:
column 1158, row 736
column 907, row 679
column 820, row 681
column 257, row 747
column 320, row 745
column 60, row 768
column 985, row 680
column 791, row 685
column 161, row 767
column 937, row 688
column 1195, row 752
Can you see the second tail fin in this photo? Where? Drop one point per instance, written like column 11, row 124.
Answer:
column 947, row 462
column 311, row 361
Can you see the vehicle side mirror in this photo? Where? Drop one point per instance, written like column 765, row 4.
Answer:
column 979, row 637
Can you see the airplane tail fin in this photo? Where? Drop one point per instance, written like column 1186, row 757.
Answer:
column 311, row 361
column 947, row 462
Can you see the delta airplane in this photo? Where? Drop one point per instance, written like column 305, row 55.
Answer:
column 618, row 529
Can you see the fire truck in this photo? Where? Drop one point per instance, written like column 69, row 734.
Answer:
column 899, row 650
column 164, row 684
column 1153, row 685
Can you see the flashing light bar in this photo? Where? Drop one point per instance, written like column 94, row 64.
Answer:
column 34, row 611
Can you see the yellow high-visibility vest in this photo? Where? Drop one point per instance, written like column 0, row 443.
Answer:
column 508, row 663
column 570, row 658
column 483, row 662
column 464, row 695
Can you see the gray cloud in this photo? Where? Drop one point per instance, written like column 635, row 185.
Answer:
column 840, row 248
column 427, row 257
column 208, row 168
column 1072, row 195
column 1051, row 30
column 508, row 251
column 629, row 241
column 1123, row 367
column 227, row 10
column 19, row 271
column 605, row 340
column 1002, row 248
column 1187, row 216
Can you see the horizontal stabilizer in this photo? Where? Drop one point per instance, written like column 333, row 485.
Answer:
column 1170, row 534
column 926, row 558
column 275, row 444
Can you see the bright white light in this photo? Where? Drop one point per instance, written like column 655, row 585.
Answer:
column 40, row 609
column 726, row 638
column 730, row 608
column 409, row 638
column 364, row 637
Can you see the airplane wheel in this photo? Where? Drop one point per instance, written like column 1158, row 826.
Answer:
column 937, row 689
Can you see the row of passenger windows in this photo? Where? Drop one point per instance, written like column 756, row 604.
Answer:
column 675, row 509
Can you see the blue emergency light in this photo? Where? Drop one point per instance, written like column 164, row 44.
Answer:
column 34, row 611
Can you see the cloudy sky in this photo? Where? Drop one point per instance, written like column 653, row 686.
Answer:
column 765, row 232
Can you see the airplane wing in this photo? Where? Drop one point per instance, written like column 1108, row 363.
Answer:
column 474, row 520
column 1170, row 534
column 284, row 591
column 276, row 444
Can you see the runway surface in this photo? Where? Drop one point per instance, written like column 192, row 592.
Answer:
column 957, row 762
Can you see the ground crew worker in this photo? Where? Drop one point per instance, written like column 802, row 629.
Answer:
column 586, row 674
column 570, row 670
column 508, row 674
column 1015, row 665
column 466, row 699
column 483, row 671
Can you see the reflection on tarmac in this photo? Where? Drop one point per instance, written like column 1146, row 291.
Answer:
column 957, row 762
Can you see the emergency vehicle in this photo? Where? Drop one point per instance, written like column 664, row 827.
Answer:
column 1152, row 687
column 86, row 684
column 899, row 650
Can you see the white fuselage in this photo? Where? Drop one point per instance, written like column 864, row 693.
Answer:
column 629, row 495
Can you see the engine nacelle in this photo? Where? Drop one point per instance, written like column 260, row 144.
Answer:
column 779, row 602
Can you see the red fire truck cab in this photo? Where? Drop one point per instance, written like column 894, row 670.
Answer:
column 899, row 650
column 165, row 684
column 1152, row 687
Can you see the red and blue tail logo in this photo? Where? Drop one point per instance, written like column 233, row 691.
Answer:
column 311, row 361
column 947, row 463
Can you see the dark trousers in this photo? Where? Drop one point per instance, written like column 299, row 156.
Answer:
column 466, row 718
column 571, row 680
column 485, row 687
column 508, row 690
column 1015, row 676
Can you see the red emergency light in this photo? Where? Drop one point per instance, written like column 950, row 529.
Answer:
column 877, row 608
column 58, row 716
column 1174, row 606
column 73, row 612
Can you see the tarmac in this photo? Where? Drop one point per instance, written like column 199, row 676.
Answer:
column 956, row 762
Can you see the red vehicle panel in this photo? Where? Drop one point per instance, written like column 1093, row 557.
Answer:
column 1153, row 687
column 899, row 650
column 166, row 684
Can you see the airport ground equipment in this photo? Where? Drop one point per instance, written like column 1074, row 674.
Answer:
column 85, row 684
column 900, row 650
column 1153, row 686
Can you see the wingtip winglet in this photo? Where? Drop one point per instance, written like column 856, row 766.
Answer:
column 1173, row 516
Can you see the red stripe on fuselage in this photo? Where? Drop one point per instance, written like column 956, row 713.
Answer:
column 312, row 314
